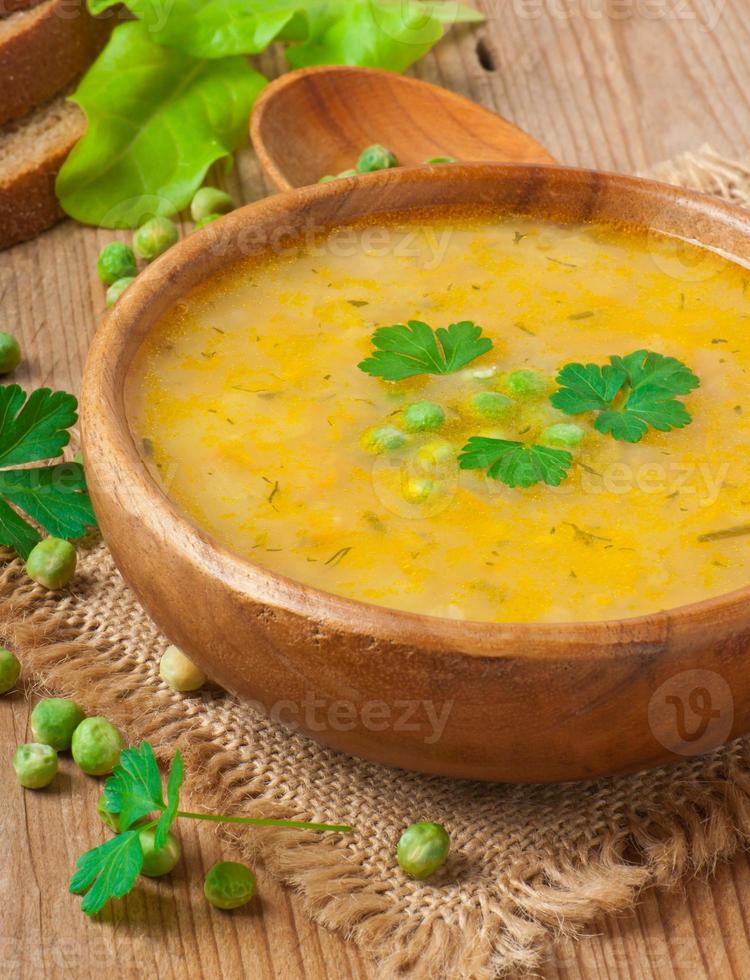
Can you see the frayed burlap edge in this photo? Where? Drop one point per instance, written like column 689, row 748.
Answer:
column 708, row 172
column 709, row 821
column 541, row 898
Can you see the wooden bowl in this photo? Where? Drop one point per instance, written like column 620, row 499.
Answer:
column 519, row 702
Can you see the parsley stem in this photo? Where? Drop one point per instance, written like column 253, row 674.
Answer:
column 266, row 822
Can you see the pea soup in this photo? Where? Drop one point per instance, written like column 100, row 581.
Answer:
column 558, row 429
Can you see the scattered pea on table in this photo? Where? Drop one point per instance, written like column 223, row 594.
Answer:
column 96, row 746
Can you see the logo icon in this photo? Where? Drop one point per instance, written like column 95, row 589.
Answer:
column 692, row 712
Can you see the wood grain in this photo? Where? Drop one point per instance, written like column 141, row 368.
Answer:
column 617, row 92
column 316, row 121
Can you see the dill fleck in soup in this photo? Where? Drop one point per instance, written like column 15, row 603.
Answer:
column 471, row 417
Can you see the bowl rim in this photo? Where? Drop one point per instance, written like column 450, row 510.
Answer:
column 103, row 391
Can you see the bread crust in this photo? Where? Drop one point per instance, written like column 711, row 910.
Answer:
column 8, row 7
column 28, row 203
column 43, row 49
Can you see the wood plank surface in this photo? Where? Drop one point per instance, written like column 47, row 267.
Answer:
column 615, row 84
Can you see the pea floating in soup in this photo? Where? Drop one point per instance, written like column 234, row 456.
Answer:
column 487, row 487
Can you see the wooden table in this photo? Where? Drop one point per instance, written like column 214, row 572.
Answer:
column 616, row 84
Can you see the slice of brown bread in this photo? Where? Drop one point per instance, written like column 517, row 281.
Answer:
column 32, row 151
column 11, row 6
column 43, row 49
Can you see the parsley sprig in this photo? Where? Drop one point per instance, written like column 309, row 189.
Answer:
column 134, row 792
column 33, row 429
column 515, row 463
column 630, row 394
column 405, row 350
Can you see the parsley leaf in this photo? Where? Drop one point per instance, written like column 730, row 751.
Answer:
column 134, row 789
column 514, row 463
column 403, row 351
column 108, row 871
column 176, row 775
column 35, row 428
column 630, row 393
column 32, row 429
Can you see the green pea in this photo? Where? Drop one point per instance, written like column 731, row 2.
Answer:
column 209, row 219
column 327, row 178
column 418, row 489
column 54, row 720
column 158, row 861
column 10, row 353
column 382, row 438
column 96, row 746
column 52, row 563
column 562, row 434
column 422, row 848
column 229, row 885
column 210, row 200
column 376, row 157
column 441, row 160
column 35, row 765
column 115, row 291
column 347, row 173
column 490, row 405
column 10, row 670
column 112, row 820
column 423, row 416
column 116, row 261
column 154, row 237
column 483, row 373
column 179, row 672
column 435, row 454
column 526, row 384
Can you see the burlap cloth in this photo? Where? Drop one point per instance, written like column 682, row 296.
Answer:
column 529, row 863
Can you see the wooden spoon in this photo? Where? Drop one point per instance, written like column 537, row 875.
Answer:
column 317, row 121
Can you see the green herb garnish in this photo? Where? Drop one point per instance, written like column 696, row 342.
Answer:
column 738, row 531
column 32, row 429
column 132, row 793
column 337, row 557
column 515, row 463
column 403, row 351
column 630, row 393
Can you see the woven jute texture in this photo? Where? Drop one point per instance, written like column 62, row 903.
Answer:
column 529, row 863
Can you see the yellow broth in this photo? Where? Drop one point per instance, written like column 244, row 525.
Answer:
column 249, row 407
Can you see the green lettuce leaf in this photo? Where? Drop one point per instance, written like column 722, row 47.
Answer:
column 211, row 28
column 360, row 32
column 157, row 120
column 378, row 33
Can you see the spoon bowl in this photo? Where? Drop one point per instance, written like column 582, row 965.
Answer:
column 317, row 121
